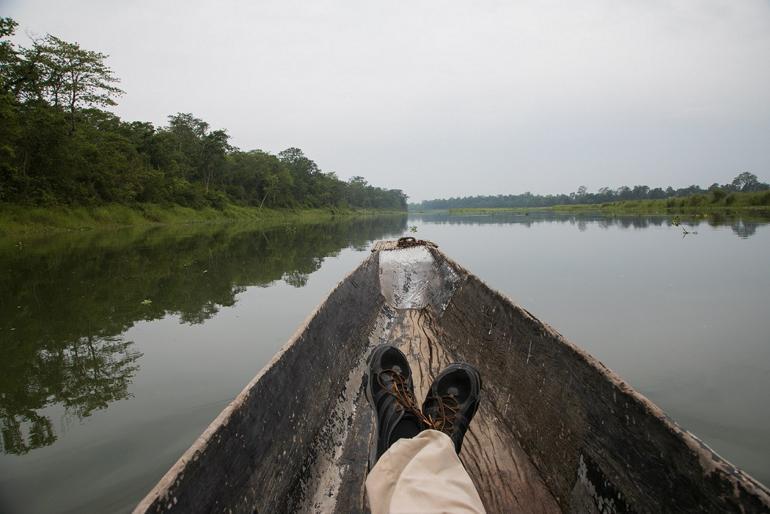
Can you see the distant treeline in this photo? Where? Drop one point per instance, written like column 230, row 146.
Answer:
column 57, row 146
column 742, row 183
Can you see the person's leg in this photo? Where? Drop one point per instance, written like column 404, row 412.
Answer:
column 422, row 474
column 413, row 469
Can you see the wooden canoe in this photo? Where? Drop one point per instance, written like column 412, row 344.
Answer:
column 556, row 431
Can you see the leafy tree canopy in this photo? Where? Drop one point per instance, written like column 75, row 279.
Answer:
column 58, row 145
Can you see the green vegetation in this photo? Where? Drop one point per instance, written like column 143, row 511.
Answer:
column 59, row 148
column 713, row 202
column 743, row 183
column 20, row 220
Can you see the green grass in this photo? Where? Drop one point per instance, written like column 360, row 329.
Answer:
column 757, row 204
column 18, row 220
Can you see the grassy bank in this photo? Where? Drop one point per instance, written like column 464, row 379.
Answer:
column 25, row 220
column 752, row 204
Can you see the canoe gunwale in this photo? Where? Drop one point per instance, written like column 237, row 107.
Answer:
column 713, row 466
column 161, row 495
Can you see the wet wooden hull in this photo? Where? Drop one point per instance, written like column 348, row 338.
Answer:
column 556, row 432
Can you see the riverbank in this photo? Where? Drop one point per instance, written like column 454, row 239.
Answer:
column 733, row 204
column 20, row 220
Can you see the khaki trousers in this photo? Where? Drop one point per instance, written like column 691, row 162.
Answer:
column 421, row 474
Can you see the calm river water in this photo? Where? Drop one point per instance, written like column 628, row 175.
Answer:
column 117, row 349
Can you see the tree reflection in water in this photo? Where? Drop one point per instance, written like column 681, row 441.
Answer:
column 83, row 376
column 66, row 302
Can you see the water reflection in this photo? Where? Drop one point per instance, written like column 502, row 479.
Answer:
column 66, row 302
column 84, row 375
column 742, row 226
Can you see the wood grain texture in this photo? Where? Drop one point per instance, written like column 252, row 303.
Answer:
column 502, row 472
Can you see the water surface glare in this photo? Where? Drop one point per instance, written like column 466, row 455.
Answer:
column 118, row 349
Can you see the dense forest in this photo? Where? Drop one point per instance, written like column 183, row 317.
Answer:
column 58, row 146
column 744, row 182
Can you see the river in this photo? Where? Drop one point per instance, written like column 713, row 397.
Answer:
column 118, row 348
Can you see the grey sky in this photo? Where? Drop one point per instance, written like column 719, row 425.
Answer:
column 446, row 98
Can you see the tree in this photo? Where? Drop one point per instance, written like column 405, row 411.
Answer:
column 304, row 173
column 624, row 192
column 640, row 192
column 746, row 182
column 357, row 192
column 298, row 162
column 72, row 77
column 214, row 148
column 9, row 123
column 8, row 55
column 197, row 153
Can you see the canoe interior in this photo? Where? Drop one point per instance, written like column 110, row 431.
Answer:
column 556, row 430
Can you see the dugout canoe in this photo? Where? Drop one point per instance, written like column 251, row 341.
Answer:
column 556, row 431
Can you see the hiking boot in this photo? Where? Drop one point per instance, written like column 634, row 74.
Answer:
column 390, row 392
column 452, row 401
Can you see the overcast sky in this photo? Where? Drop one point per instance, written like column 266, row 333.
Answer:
column 448, row 98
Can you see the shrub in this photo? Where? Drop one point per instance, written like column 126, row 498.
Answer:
column 695, row 200
column 763, row 199
column 216, row 199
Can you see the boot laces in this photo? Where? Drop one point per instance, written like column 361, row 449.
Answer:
column 399, row 389
column 444, row 419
